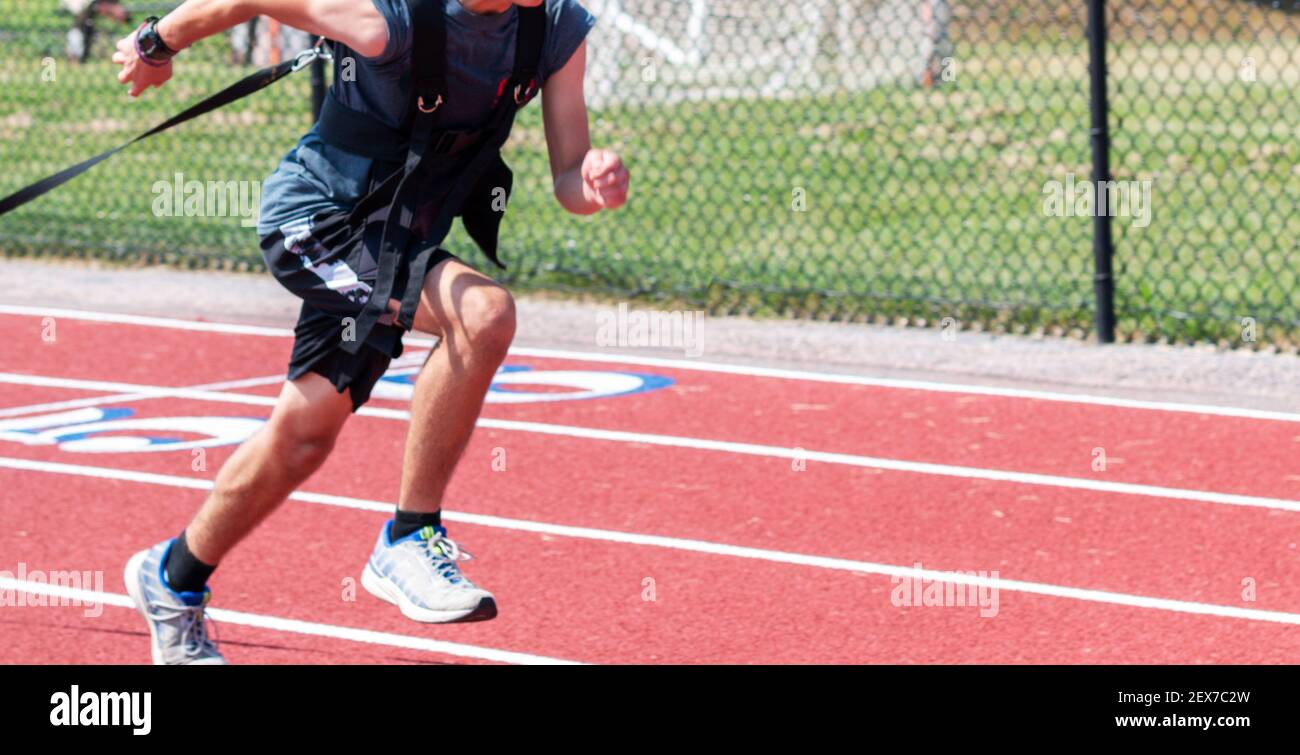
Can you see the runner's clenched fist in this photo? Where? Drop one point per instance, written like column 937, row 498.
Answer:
column 604, row 178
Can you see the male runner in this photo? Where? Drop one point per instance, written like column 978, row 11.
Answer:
column 414, row 564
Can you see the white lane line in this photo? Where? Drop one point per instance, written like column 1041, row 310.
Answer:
column 152, row 322
column 701, row 546
column 716, row 367
column 747, row 449
column 143, row 391
column 915, row 385
column 80, row 403
column 292, row 626
column 898, row 465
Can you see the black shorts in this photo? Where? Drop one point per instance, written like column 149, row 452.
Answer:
column 332, row 268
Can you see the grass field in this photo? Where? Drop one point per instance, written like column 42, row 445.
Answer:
column 916, row 203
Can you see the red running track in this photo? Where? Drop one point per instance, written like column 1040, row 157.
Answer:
column 1151, row 566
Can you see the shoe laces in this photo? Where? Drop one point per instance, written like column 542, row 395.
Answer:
column 194, row 627
column 442, row 553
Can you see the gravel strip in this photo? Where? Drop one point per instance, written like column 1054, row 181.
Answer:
column 1200, row 374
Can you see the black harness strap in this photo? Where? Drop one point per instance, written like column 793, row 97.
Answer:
column 357, row 132
column 363, row 134
column 529, row 41
column 429, row 91
column 428, row 55
column 240, row 89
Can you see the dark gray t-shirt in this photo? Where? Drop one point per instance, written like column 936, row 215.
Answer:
column 315, row 176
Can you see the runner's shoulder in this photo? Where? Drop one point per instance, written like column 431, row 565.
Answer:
column 569, row 24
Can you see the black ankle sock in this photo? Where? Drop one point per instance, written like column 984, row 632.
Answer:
column 184, row 572
column 406, row 522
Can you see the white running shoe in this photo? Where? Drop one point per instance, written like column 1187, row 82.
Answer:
column 418, row 574
column 178, row 629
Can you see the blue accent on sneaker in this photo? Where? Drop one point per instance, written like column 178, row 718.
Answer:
column 441, row 532
column 185, row 596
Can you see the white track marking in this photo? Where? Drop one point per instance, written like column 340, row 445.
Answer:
column 897, row 465
column 142, row 391
column 701, row 546
column 294, row 626
column 152, row 322
column 70, row 417
column 748, row 449
column 78, row 403
column 716, row 367
column 914, row 385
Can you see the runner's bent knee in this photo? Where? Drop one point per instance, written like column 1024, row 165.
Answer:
column 307, row 420
column 468, row 309
column 486, row 315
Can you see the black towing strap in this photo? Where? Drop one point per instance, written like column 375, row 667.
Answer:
column 237, row 91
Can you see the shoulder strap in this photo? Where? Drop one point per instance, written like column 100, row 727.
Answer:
column 428, row 53
column 530, row 39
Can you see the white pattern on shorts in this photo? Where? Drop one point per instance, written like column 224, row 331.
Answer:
column 337, row 276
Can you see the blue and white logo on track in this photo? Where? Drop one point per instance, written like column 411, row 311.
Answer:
column 112, row 430
column 117, row 430
column 519, row 384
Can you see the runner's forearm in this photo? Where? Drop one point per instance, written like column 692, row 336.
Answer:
column 198, row 19
column 568, row 190
column 356, row 23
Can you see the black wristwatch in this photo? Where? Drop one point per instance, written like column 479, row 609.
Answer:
column 149, row 44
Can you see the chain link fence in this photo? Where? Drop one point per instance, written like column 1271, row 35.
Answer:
column 913, row 161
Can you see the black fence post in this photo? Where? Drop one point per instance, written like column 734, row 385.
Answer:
column 317, row 88
column 1103, row 250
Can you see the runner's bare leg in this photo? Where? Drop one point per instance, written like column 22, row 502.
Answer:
column 474, row 318
column 270, row 465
